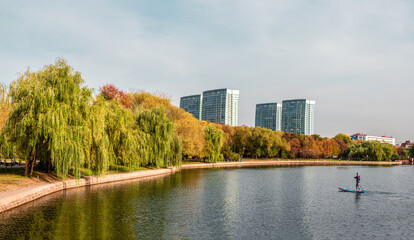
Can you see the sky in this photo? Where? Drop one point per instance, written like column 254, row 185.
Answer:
column 355, row 58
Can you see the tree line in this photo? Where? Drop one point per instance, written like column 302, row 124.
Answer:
column 50, row 119
column 56, row 122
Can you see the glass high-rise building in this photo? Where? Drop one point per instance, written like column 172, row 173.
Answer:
column 268, row 115
column 298, row 116
column 192, row 104
column 221, row 106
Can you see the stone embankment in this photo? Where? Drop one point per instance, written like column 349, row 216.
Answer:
column 12, row 199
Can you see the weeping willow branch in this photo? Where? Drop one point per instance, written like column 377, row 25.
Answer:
column 50, row 112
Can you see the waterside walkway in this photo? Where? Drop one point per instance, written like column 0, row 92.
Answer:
column 12, row 199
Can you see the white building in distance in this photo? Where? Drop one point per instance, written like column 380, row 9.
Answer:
column 365, row 137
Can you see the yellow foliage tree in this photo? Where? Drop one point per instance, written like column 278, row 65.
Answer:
column 190, row 129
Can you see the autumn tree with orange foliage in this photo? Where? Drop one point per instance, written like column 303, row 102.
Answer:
column 331, row 148
column 148, row 101
column 343, row 141
column 110, row 92
column 294, row 142
column 294, row 147
column 314, row 146
column 311, row 148
column 191, row 132
column 4, row 105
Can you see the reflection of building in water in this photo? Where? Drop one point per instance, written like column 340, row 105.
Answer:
column 366, row 137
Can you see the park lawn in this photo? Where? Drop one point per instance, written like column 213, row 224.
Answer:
column 191, row 162
column 13, row 178
column 121, row 169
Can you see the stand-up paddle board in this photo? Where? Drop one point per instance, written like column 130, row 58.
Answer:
column 349, row 190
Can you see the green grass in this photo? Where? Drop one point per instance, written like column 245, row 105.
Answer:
column 191, row 162
column 114, row 168
column 86, row 172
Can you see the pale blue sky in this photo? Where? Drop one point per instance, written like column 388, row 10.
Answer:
column 354, row 57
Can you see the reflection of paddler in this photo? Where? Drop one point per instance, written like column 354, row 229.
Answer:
column 358, row 179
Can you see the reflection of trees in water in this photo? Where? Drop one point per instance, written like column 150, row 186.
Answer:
column 33, row 223
column 38, row 226
column 110, row 211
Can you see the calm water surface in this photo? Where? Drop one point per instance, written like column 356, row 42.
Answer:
column 236, row 203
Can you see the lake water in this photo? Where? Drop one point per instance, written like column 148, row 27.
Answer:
column 232, row 203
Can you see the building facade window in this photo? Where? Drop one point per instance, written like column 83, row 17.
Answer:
column 218, row 106
column 298, row 116
column 268, row 115
column 192, row 104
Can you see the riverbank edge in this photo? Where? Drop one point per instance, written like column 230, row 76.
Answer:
column 258, row 163
column 13, row 199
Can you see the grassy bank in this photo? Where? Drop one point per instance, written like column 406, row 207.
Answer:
column 12, row 178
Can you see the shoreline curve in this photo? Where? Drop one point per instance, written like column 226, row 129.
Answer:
column 13, row 199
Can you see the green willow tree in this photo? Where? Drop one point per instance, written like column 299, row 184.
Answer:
column 125, row 138
column 162, row 146
column 372, row 151
column 213, row 143
column 98, row 157
column 49, row 118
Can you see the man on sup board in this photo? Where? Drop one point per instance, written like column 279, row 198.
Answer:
column 358, row 179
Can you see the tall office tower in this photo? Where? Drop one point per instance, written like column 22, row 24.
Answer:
column 221, row 106
column 268, row 115
column 192, row 104
column 298, row 116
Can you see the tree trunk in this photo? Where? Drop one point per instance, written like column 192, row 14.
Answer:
column 49, row 166
column 33, row 163
column 30, row 164
column 28, row 168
